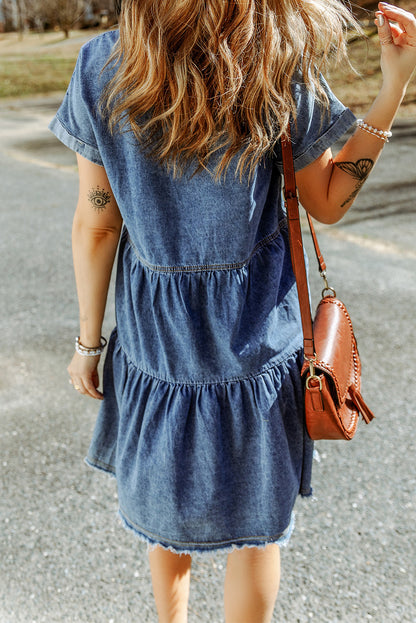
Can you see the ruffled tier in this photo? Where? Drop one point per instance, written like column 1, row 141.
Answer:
column 204, row 466
column 212, row 323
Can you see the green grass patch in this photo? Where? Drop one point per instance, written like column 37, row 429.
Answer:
column 36, row 75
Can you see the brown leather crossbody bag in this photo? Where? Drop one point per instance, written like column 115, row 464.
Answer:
column 332, row 368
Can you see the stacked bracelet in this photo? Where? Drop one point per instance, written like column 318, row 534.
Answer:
column 381, row 134
column 85, row 351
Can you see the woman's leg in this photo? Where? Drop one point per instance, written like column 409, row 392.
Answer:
column 171, row 574
column 251, row 584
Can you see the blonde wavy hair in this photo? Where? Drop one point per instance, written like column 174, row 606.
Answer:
column 197, row 77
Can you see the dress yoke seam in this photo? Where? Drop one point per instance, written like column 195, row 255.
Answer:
column 197, row 268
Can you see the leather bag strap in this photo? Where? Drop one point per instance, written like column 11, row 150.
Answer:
column 319, row 256
column 296, row 245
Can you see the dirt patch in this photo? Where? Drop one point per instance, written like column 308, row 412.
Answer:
column 44, row 44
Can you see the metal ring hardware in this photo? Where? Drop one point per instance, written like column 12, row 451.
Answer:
column 312, row 374
column 312, row 378
column 328, row 289
column 327, row 286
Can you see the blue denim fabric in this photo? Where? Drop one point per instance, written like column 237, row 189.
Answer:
column 202, row 421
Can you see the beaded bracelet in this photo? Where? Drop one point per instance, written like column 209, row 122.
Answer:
column 381, row 134
column 85, row 351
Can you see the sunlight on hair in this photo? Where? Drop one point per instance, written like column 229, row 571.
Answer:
column 197, row 78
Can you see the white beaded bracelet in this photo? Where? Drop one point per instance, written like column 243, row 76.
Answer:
column 381, row 134
column 86, row 351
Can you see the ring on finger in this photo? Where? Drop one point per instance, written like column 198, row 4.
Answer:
column 387, row 41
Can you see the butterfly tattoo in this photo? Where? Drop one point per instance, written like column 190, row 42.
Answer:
column 359, row 170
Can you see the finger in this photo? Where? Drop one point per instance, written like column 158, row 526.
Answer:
column 384, row 30
column 404, row 18
column 397, row 33
column 92, row 390
column 78, row 385
column 74, row 383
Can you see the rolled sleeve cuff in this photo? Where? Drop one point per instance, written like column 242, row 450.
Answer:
column 345, row 120
column 80, row 147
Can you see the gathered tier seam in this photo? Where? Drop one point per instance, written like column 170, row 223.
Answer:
column 226, row 381
column 197, row 268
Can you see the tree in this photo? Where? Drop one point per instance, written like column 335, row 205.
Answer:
column 8, row 13
column 65, row 13
column 21, row 14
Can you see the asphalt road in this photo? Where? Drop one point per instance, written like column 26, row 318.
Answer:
column 63, row 555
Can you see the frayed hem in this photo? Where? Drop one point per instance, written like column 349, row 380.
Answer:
column 307, row 498
column 309, row 494
column 209, row 549
column 206, row 549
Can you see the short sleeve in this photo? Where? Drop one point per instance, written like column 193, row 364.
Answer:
column 316, row 129
column 75, row 123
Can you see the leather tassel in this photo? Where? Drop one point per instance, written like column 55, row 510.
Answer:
column 358, row 400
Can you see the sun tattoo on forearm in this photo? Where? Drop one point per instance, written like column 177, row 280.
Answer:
column 99, row 198
column 359, row 170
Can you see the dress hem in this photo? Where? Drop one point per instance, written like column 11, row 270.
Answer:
column 222, row 547
column 195, row 548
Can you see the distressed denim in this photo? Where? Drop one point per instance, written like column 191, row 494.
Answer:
column 202, row 421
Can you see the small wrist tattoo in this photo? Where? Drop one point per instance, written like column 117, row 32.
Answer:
column 99, row 198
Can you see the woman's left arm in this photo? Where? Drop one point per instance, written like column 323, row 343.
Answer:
column 328, row 186
column 95, row 235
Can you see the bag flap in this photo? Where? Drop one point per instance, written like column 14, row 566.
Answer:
column 335, row 345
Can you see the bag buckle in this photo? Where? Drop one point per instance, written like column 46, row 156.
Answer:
column 312, row 375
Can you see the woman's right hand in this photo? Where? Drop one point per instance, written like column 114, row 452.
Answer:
column 398, row 44
column 84, row 375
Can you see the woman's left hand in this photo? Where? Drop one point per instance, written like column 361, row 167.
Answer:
column 398, row 44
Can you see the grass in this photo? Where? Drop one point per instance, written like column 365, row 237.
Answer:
column 38, row 64
column 23, row 77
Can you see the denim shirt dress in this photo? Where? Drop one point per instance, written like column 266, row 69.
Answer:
column 202, row 421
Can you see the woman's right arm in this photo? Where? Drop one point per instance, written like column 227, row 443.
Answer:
column 328, row 186
column 95, row 235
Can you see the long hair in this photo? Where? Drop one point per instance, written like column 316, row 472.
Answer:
column 196, row 77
